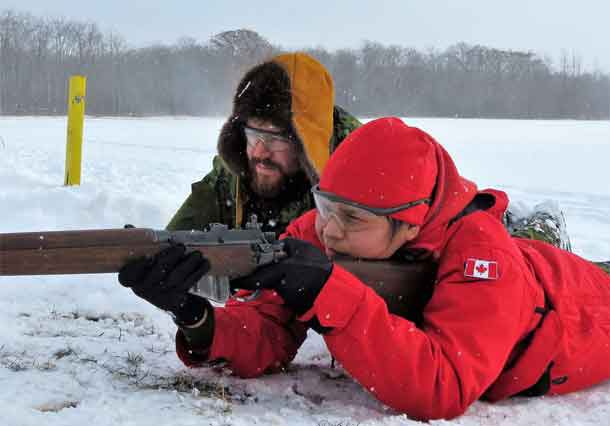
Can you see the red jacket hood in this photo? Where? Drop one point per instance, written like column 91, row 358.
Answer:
column 451, row 195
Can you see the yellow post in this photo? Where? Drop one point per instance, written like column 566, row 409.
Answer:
column 76, row 118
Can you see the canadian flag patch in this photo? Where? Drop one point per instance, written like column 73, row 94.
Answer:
column 484, row 269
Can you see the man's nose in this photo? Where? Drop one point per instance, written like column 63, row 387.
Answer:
column 260, row 150
column 332, row 229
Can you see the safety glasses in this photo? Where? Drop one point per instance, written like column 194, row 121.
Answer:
column 273, row 142
column 351, row 215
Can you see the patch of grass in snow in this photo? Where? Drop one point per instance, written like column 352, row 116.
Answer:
column 20, row 361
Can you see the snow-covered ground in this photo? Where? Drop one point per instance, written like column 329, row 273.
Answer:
column 80, row 350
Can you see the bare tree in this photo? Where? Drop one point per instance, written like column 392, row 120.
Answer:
column 37, row 56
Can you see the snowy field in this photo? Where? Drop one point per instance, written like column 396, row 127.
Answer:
column 78, row 350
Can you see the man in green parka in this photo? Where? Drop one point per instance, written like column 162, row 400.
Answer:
column 271, row 149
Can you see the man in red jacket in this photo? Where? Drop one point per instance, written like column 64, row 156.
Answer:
column 508, row 316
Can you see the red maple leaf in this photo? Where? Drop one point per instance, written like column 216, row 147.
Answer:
column 481, row 269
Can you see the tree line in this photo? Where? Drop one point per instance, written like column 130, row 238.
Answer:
column 37, row 56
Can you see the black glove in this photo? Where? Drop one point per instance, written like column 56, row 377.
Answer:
column 165, row 279
column 298, row 278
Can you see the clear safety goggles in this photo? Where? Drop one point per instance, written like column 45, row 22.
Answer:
column 351, row 215
column 272, row 141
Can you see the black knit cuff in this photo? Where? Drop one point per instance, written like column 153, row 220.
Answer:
column 199, row 336
column 191, row 311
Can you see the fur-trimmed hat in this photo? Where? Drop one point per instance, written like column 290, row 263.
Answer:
column 294, row 92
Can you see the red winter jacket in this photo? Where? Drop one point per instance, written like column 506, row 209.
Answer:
column 489, row 336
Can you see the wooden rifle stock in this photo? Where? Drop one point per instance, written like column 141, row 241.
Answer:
column 405, row 287
column 107, row 250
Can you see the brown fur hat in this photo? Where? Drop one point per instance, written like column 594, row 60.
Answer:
column 292, row 91
column 264, row 93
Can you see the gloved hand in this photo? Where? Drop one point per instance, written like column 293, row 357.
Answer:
column 165, row 279
column 298, row 278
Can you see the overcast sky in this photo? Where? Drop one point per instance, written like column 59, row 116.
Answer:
column 544, row 26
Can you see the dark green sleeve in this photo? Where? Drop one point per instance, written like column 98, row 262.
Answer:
column 210, row 201
column 343, row 124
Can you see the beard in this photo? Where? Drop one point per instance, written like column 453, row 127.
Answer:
column 267, row 186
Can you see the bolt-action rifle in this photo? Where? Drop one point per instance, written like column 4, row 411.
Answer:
column 405, row 287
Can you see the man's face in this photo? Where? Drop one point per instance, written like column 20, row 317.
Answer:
column 271, row 161
column 365, row 237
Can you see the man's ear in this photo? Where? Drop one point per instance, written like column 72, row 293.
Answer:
column 402, row 233
column 410, row 231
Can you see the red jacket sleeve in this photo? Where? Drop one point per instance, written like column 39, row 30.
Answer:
column 470, row 328
column 254, row 337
